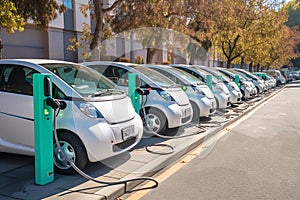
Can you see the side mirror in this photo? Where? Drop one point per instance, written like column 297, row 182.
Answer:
column 140, row 91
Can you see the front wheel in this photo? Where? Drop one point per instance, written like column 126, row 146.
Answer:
column 196, row 113
column 154, row 122
column 74, row 149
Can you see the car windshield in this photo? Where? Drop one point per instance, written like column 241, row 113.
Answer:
column 84, row 80
column 241, row 75
column 205, row 73
column 155, row 76
column 216, row 72
column 187, row 76
column 250, row 76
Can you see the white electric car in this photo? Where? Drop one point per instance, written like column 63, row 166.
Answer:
column 219, row 89
column 234, row 90
column 98, row 122
column 247, row 87
column 166, row 106
column 201, row 97
column 259, row 84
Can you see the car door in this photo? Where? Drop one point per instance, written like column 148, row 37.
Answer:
column 16, row 109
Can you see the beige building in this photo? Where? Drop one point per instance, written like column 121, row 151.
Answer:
column 51, row 43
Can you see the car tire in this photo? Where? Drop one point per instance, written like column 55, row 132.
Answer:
column 156, row 120
column 196, row 113
column 74, row 148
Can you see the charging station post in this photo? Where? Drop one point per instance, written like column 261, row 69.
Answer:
column 43, row 129
column 237, row 80
column 219, row 77
column 209, row 81
column 132, row 93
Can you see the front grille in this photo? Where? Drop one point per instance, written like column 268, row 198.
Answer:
column 183, row 120
column 123, row 145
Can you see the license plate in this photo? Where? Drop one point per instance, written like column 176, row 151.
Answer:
column 187, row 112
column 127, row 132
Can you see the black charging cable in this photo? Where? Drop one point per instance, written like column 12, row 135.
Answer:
column 57, row 106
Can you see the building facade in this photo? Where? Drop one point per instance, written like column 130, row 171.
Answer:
column 50, row 43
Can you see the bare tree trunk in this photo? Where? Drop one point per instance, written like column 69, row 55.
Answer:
column 193, row 54
column 97, row 35
column 150, row 53
column 250, row 67
column 242, row 62
column 228, row 64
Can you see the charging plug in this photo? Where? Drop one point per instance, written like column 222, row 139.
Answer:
column 55, row 103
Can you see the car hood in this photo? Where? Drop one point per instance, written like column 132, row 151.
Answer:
column 179, row 96
column 208, row 93
column 116, row 111
column 224, row 88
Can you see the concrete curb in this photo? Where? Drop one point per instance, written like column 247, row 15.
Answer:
column 150, row 169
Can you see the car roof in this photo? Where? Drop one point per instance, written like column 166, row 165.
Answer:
column 37, row 61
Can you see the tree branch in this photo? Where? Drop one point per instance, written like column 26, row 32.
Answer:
column 114, row 5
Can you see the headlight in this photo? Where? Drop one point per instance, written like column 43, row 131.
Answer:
column 89, row 110
column 231, row 86
column 165, row 95
column 198, row 91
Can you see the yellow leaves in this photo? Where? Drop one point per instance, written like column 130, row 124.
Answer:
column 9, row 17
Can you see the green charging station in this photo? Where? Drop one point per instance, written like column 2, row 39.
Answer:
column 43, row 129
column 237, row 80
column 209, row 81
column 134, row 96
column 219, row 77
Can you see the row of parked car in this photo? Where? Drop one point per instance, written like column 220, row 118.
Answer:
column 99, row 120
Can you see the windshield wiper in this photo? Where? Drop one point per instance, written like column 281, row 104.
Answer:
column 173, row 86
column 107, row 92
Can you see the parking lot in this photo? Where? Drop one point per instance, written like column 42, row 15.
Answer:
column 151, row 155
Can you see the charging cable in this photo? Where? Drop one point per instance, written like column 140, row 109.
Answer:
column 57, row 106
column 142, row 93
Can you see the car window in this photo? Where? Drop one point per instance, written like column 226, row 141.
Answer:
column 16, row 79
column 170, row 76
column 193, row 73
column 84, row 80
column 115, row 74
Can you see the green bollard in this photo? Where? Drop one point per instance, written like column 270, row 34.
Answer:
column 237, row 80
column 43, row 129
column 219, row 77
column 135, row 97
column 209, row 81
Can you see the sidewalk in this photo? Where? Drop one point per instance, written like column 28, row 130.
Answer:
column 17, row 172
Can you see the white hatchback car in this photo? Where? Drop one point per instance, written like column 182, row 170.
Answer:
column 98, row 122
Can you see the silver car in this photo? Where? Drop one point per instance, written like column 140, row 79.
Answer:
column 96, row 124
column 219, row 89
column 235, row 92
column 166, row 106
column 260, row 86
column 201, row 97
column 247, row 87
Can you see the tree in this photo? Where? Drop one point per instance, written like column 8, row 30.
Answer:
column 293, row 9
column 125, row 15
column 101, row 14
column 9, row 19
column 14, row 13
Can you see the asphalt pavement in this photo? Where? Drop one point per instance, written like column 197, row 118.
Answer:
column 256, row 159
column 150, row 156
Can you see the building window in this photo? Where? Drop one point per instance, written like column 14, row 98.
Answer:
column 68, row 4
column 69, row 15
